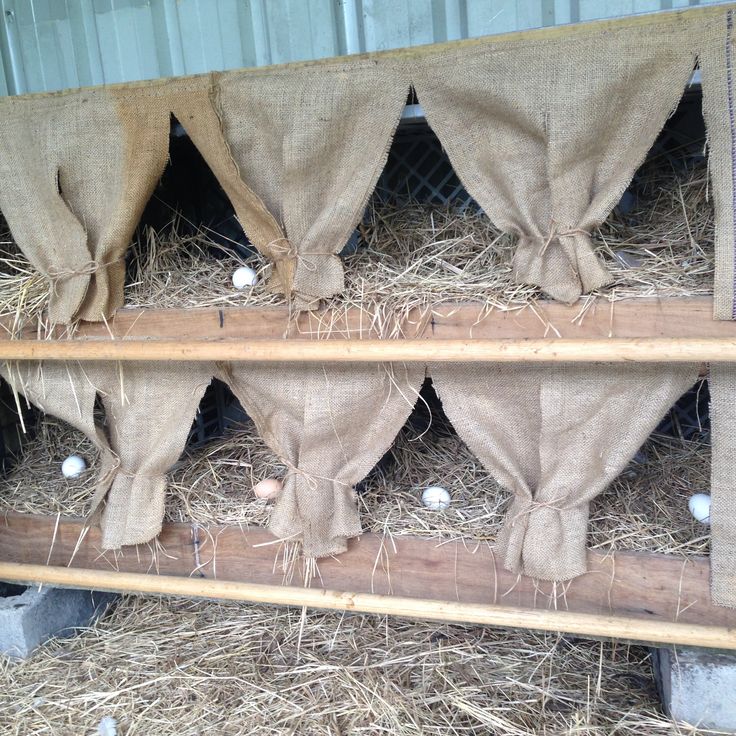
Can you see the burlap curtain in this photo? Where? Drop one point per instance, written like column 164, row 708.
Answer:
column 195, row 102
column 722, row 383
column 312, row 141
column 76, row 170
column 329, row 424
column 555, row 436
column 149, row 408
column 719, row 109
column 64, row 390
column 68, row 391
column 547, row 134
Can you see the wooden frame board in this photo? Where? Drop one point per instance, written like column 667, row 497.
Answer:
column 638, row 330
column 637, row 596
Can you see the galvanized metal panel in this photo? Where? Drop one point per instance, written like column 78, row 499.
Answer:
column 54, row 44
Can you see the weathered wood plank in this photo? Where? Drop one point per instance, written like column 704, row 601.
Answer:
column 633, row 330
column 646, row 587
column 633, row 318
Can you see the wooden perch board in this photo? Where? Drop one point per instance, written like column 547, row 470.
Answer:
column 631, row 318
column 637, row 596
column 637, row 330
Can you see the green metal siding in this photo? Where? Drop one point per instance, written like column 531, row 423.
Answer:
column 54, row 44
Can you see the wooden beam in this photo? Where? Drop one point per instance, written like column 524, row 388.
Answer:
column 631, row 318
column 513, row 350
column 636, row 596
column 433, row 610
column 639, row 330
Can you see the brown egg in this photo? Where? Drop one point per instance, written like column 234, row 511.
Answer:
column 268, row 488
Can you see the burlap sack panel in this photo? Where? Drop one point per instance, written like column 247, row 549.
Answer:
column 722, row 383
column 312, row 143
column 148, row 407
column 547, row 136
column 553, row 435
column 716, row 59
column 330, row 425
column 77, row 170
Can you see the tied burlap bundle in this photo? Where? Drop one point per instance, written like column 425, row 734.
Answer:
column 311, row 142
column 722, row 383
column 149, row 409
column 555, row 436
column 546, row 134
column 329, row 425
column 76, row 170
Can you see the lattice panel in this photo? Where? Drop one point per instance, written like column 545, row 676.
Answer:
column 419, row 170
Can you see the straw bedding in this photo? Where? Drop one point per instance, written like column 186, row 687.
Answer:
column 644, row 509
column 180, row 668
column 420, row 255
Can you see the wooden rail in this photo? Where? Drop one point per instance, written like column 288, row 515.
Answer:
column 551, row 350
column 639, row 330
column 635, row 596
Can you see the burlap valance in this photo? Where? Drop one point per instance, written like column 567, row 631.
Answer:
column 546, row 133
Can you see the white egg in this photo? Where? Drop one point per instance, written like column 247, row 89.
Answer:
column 108, row 726
column 436, row 498
column 244, row 276
column 699, row 506
column 73, row 466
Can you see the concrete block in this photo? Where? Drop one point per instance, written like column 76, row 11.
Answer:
column 698, row 686
column 31, row 615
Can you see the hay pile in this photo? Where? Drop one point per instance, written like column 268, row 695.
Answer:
column 644, row 509
column 421, row 255
column 178, row 667
column 185, row 668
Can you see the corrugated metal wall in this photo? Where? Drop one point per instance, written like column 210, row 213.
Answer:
column 55, row 44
